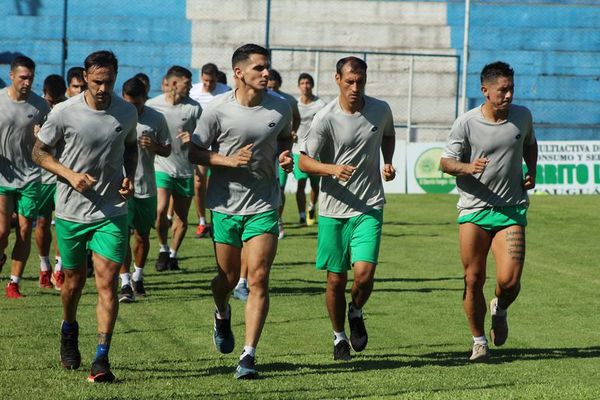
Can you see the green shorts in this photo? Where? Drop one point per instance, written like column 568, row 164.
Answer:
column 496, row 218
column 46, row 200
column 298, row 174
column 107, row 237
column 142, row 214
column 26, row 198
column 183, row 187
column 235, row 229
column 345, row 241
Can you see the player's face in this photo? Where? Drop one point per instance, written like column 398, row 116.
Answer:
column 305, row 87
column 351, row 84
column 22, row 79
column 100, row 83
column 209, row 82
column 254, row 72
column 499, row 93
column 137, row 101
column 180, row 86
column 52, row 101
column 273, row 85
column 76, row 86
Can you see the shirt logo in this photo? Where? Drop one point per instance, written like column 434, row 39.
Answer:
column 118, row 129
column 184, row 119
column 374, row 129
column 272, row 124
column 518, row 136
column 30, row 116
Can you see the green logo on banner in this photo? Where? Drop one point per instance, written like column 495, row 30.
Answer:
column 428, row 174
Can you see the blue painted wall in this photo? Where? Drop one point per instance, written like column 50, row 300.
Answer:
column 146, row 35
column 554, row 47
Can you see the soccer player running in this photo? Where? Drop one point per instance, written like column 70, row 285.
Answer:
column 485, row 151
column 308, row 106
column 175, row 174
column 240, row 135
column 343, row 147
column 204, row 92
column 21, row 111
column 274, row 86
column 153, row 138
column 54, row 93
column 97, row 130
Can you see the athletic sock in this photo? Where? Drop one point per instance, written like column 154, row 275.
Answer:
column 226, row 315
column 138, row 273
column 58, row 265
column 354, row 312
column 15, row 279
column 164, row 248
column 172, row 253
column 339, row 336
column 45, row 264
column 480, row 340
column 69, row 327
column 248, row 350
column 302, row 214
column 243, row 282
column 311, row 206
column 169, row 217
column 202, row 221
column 125, row 279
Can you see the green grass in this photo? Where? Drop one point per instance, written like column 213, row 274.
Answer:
column 419, row 340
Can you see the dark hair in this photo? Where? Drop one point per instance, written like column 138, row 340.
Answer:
column 495, row 70
column 221, row 77
column 134, row 87
column 356, row 64
column 145, row 80
column 306, row 75
column 22, row 61
column 55, row 86
column 209, row 69
column 243, row 53
column 75, row 72
column 275, row 76
column 179, row 71
column 101, row 59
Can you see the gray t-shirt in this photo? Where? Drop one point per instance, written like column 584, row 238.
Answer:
column 181, row 117
column 225, row 127
column 337, row 137
column 307, row 113
column 153, row 124
column 94, row 143
column 501, row 183
column 17, row 120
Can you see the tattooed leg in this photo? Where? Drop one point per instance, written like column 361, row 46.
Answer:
column 508, row 247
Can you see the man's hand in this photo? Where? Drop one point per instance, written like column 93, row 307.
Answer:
column 286, row 162
column 529, row 182
column 82, row 182
column 184, row 136
column 343, row 172
column 146, row 142
column 478, row 166
column 388, row 172
column 242, row 157
column 126, row 189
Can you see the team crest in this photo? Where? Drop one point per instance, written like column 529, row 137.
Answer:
column 118, row 129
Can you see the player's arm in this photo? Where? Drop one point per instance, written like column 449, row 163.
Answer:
column 42, row 156
column 455, row 148
column 457, row 168
column 313, row 167
column 295, row 119
column 130, row 158
column 202, row 156
column 388, row 145
column 146, row 142
column 530, row 156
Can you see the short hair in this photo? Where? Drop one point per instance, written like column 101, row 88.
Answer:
column 495, row 70
column 22, row 61
column 144, row 78
column 75, row 72
column 244, row 52
column 209, row 69
column 221, row 77
column 55, row 86
column 134, row 87
column 356, row 64
column 101, row 59
column 275, row 76
column 179, row 72
column 306, row 75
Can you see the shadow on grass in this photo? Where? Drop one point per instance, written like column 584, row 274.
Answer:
column 397, row 235
column 387, row 280
column 403, row 223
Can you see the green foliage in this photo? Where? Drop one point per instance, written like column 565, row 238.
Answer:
column 419, row 340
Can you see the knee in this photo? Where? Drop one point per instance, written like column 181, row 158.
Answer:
column 474, row 280
column 511, row 284
column 336, row 282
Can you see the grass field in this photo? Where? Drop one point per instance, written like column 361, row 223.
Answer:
column 418, row 342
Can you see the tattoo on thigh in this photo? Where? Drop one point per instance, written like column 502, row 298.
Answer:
column 104, row 338
column 515, row 241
